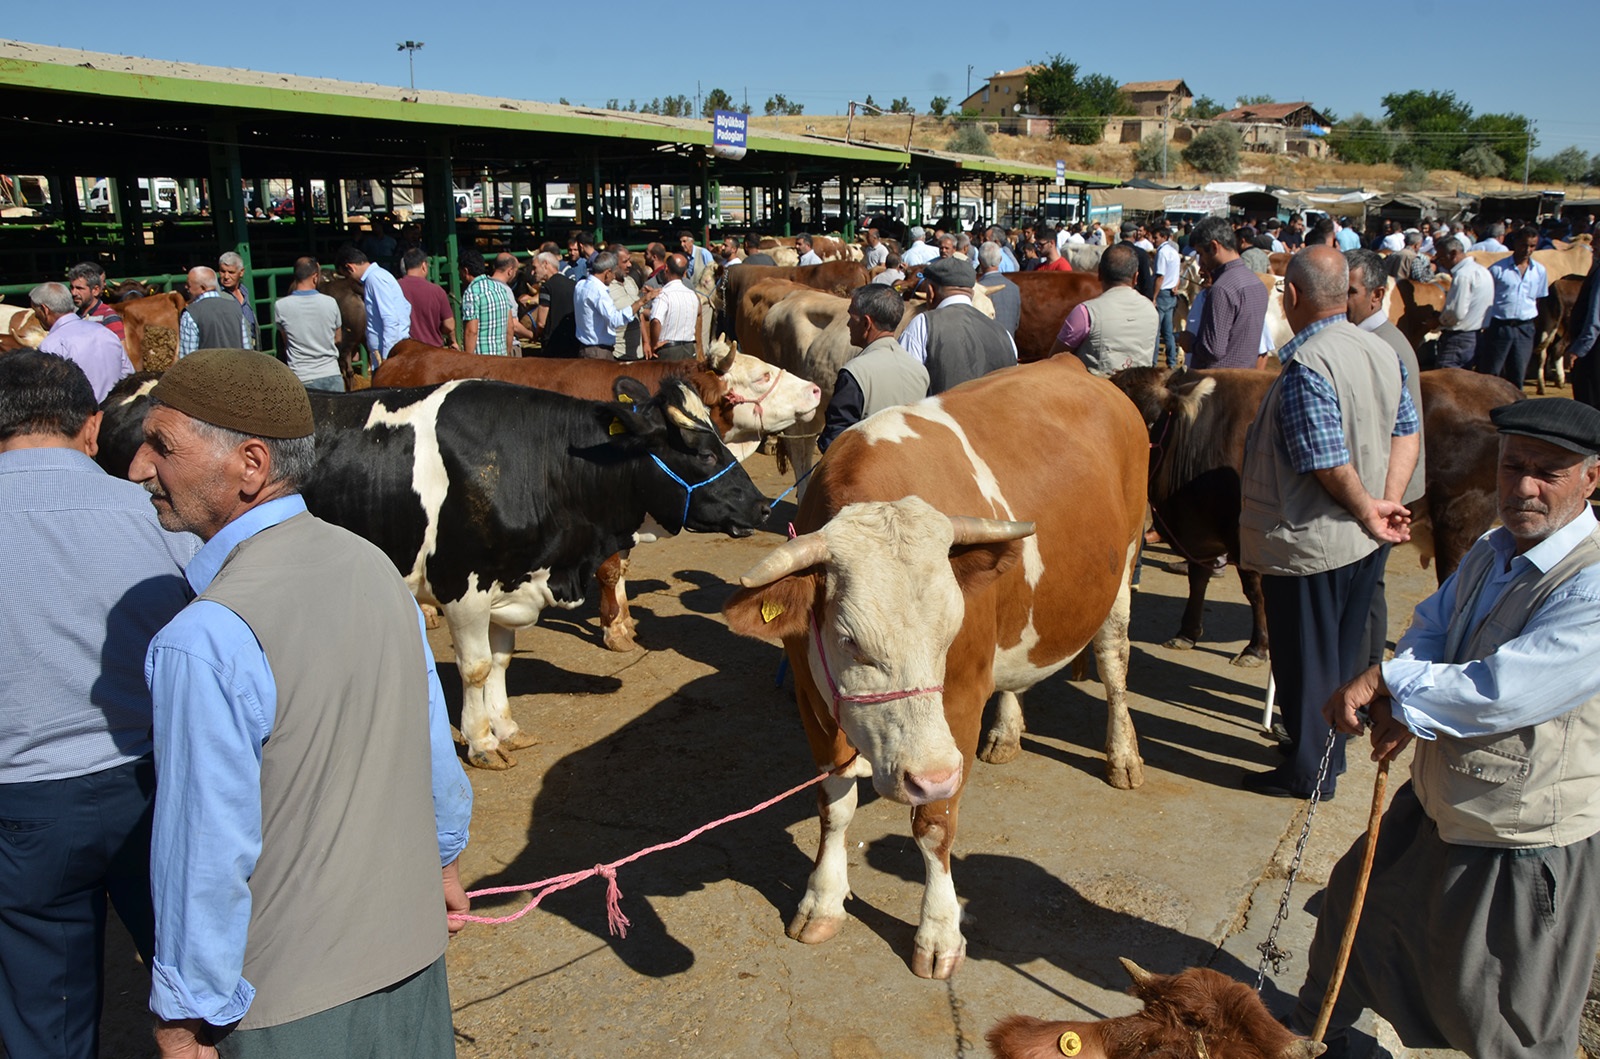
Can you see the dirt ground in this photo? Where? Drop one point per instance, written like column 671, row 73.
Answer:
column 1060, row 874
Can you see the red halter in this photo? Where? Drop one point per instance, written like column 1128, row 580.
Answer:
column 733, row 400
column 865, row 700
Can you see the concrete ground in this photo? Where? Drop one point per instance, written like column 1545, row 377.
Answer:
column 1059, row 873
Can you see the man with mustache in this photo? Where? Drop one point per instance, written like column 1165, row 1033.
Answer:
column 1483, row 910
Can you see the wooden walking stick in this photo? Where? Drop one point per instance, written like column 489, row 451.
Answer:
column 1347, row 942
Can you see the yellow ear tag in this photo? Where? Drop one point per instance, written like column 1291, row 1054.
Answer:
column 624, row 398
column 1070, row 1043
column 617, row 427
column 770, row 610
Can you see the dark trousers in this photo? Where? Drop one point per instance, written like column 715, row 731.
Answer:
column 65, row 845
column 1586, row 380
column 1457, row 349
column 597, row 352
column 1378, row 613
column 675, row 351
column 1505, row 350
column 1317, row 625
column 1166, row 303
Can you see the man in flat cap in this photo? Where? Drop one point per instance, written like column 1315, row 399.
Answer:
column 1483, row 911
column 309, row 792
column 955, row 341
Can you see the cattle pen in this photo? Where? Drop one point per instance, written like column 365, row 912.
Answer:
column 345, row 157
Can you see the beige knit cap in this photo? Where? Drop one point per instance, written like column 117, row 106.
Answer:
column 239, row 389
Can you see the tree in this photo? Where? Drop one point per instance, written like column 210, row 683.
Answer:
column 779, row 104
column 716, row 99
column 938, row 105
column 1080, row 104
column 679, row 106
column 1253, row 101
column 1215, row 151
column 900, row 106
column 1507, row 135
column 1361, row 141
column 1566, row 166
column 1205, row 108
column 1435, row 126
column 1147, row 158
column 1592, row 177
column 1481, row 161
column 870, row 102
column 970, row 139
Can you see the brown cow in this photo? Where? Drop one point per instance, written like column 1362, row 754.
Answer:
column 1047, row 298
column 351, row 298
column 141, row 314
column 901, row 614
column 1197, row 422
column 1414, row 307
column 1199, row 1012
column 754, row 305
column 19, row 328
column 747, row 399
column 835, row 277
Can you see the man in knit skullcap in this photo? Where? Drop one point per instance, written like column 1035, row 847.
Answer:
column 288, row 735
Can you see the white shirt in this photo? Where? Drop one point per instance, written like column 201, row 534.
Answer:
column 810, row 258
column 918, row 253
column 873, row 256
column 915, row 339
column 1075, row 239
column 1394, row 242
column 1168, row 265
column 677, row 310
column 1470, row 299
column 1146, row 245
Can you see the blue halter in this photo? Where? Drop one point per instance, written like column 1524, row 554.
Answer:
column 688, row 490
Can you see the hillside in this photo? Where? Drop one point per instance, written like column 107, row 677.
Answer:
column 1114, row 162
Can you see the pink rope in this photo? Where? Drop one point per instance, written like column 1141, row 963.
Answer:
column 616, row 922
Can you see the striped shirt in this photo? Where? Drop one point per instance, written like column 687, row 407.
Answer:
column 489, row 302
column 677, row 310
column 91, row 577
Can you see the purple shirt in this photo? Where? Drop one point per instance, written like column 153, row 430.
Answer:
column 93, row 347
column 1231, row 321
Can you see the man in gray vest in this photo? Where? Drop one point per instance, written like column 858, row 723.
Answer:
column 883, row 374
column 212, row 320
column 1002, row 291
column 309, row 792
column 1335, row 434
column 1483, row 911
column 1365, row 310
column 1118, row 328
column 955, row 340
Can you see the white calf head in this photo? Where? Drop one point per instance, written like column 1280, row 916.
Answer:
column 764, row 398
column 880, row 594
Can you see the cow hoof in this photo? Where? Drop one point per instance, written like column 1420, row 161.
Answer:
column 455, row 734
column 430, row 615
column 814, row 930
column 996, row 751
column 518, row 740
column 495, row 760
column 1246, row 660
column 928, row 964
column 620, row 640
column 1125, row 777
column 1179, row 643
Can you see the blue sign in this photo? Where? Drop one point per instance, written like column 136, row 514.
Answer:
column 729, row 132
column 1061, row 168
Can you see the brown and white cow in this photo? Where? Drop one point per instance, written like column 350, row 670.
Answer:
column 836, row 277
column 1197, row 422
column 1199, row 1012
column 746, row 398
column 19, row 328
column 940, row 560
column 146, row 318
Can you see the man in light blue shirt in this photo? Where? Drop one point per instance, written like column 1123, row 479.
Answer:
column 304, row 752
column 1491, row 239
column 90, row 577
column 1482, row 914
column 1519, row 283
column 388, row 312
column 596, row 316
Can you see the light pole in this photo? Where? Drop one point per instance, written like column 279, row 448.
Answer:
column 969, row 83
column 410, row 47
column 1166, row 112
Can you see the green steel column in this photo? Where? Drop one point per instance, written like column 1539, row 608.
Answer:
column 64, row 192
column 131, row 218
column 439, row 198
column 597, row 197
column 914, row 207
column 705, row 202
column 849, row 205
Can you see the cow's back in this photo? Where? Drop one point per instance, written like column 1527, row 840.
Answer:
column 1047, row 298
column 1045, row 443
column 416, row 364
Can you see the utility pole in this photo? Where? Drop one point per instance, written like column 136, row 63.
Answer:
column 410, row 47
column 1166, row 112
column 969, row 84
column 1527, row 157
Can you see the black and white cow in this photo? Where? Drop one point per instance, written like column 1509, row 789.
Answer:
column 496, row 501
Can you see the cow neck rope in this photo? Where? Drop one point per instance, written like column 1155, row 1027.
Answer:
column 733, row 400
column 688, row 490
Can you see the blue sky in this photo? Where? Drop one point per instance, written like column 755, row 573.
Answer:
column 826, row 52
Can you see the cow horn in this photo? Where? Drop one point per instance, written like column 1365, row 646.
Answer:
column 1302, row 1049
column 1142, row 977
column 806, row 550
column 721, row 364
column 969, row 530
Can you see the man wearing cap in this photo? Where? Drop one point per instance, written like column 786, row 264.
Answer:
column 1483, row 910
column 90, row 577
column 309, row 792
column 955, row 341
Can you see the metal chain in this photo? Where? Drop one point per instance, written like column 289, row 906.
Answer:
column 1270, row 953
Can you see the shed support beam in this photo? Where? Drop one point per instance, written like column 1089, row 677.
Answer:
column 438, row 190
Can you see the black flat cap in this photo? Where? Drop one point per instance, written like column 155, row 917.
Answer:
column 1558, row 420
column 950, row 272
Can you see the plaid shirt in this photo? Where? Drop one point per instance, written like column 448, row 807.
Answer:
column 1308, row 415
column 489, row 302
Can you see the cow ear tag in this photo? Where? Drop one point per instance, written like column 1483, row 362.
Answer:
column 770, row 609
column 617, row 427
column 624, row 398
column 1070, row 1043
